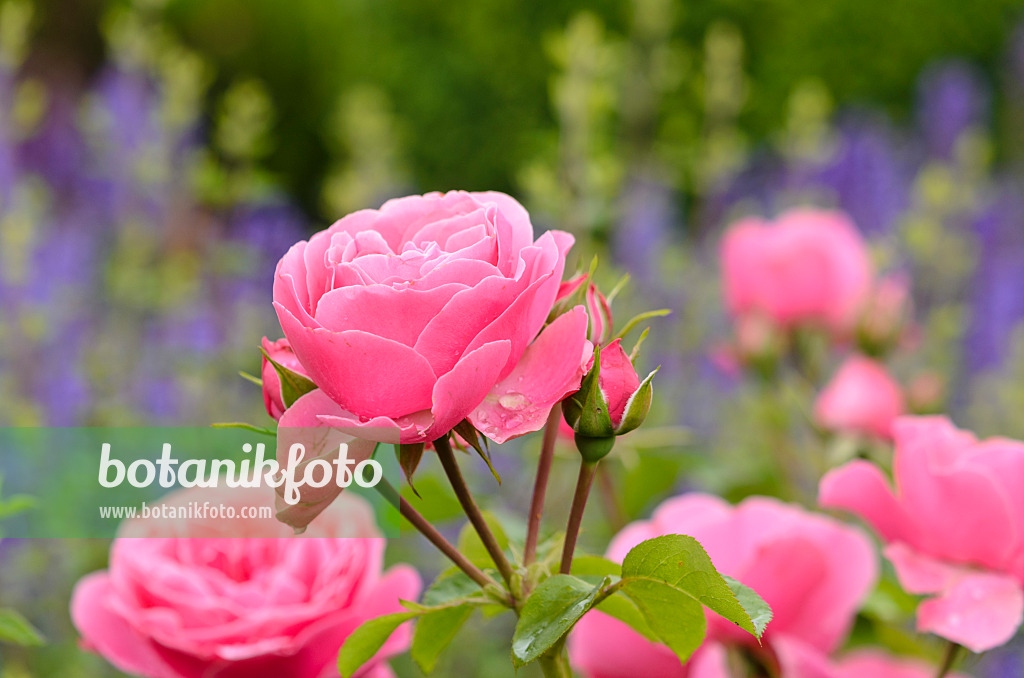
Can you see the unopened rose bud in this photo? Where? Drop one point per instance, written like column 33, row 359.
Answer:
column 862, row 399
column 568, row 295
column 759, row 343
column 611, row 401
column 885, row 315
column 280, row 352
column 600, row 313
column 926, row 393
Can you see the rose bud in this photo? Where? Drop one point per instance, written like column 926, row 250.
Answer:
column 600, row 312
column 280, row 352
column 861, row 399
column 885, row 315
column 611, row 401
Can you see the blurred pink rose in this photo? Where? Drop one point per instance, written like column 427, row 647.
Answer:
column 861, row 399
column 807, row 267
column 422, row 313
column 813, row 571
column 869, row 663
column 280, row 351
column 886, row 313
column 204, row 604
column 955, row 525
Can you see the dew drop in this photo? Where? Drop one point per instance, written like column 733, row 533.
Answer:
column 513, row 401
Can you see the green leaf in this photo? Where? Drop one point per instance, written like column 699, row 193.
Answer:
column 262, row 430
column 681, row 562
column 293, row 384
column 15, row 630
column 450, row 585
column 16, row 504
column 434, row 632
column 471, row 546
column 670, row 614
column 549, row 613
column 595, row 566
column 366, row 641
column 757, row 609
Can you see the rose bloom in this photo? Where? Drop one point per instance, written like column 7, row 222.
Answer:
column 954, row 524
column 871, row 663
column 202, row 604
column 813, row 572
column 420, row 314
column 861, row 399
column 808, row 267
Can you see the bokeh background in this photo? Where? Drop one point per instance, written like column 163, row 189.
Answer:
column 157, row 157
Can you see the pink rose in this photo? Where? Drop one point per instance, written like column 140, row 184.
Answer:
column 422, row 313
column 813, row 571
column 861, row 399
column 876, row 664
column 216, row 604
column 885, row 313
column 809, row 267
column 954, row 525
column 280, row 351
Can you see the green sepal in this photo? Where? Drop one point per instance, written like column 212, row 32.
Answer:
column 409, row 457
column 638, row 406
column 468, row 432
column 293, row 384
column 586, row 411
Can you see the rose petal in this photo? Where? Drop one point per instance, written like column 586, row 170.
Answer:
column 550, row 369
column 918, row 573
column 801, row 660
column 861, row 488
column 461, row 390
column 603, row 647
column 298, row 426
column 365, row 374
column 618, row 380
column 397, row 314
column 109, row 633
column 980, row 611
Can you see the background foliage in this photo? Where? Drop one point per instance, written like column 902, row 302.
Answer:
column 157, row 158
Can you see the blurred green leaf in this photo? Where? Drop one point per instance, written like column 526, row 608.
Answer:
column 434, row 632
column 16, row 630
column 366, row 641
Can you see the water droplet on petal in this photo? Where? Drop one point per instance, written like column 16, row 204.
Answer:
column 513, row 401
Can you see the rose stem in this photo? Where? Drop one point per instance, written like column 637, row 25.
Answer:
column 540, row 485
column 952, row 651
column 579, row 503
column 451, row 469
column 425, row 528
